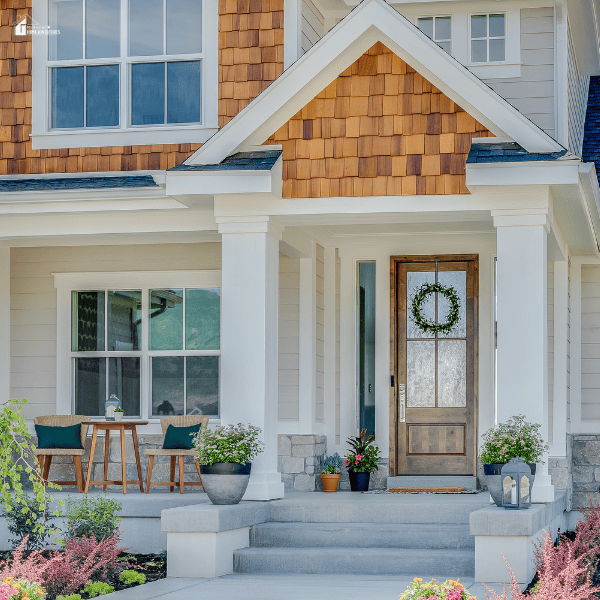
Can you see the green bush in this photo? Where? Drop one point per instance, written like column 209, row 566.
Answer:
column 93, row 514
column 130, row 576
column 30, row 518
column 98, row 588
column 70, row 597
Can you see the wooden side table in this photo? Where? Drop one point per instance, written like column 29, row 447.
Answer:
column 109, row 426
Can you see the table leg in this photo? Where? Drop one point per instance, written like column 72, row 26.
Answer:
column 106, row 455
column 123, row 469
column 136, row 449
column 91, row 463
column 181, row 474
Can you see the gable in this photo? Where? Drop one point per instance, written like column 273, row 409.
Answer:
column 378, row 129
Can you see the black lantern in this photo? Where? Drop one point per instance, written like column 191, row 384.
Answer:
column 516, row 484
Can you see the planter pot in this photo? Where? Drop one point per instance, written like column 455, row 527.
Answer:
column 493, row 479
column 359, row 482
column 118, row 416
column 225, row 483
column 330, row 482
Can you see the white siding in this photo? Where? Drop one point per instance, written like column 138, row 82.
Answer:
column 320, row 335
column 578, row 87
column 313, row 28
column 33, row 302
column 550, row 349
column 338, row 273
column 289, row 299
column 590, row 343
column 533, row 92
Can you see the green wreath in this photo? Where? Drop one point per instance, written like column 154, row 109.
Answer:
column 431, row 326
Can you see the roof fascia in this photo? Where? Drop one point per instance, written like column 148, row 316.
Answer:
column 83, row 195
column 583, row 18
column 371, row 22
column 552, row 172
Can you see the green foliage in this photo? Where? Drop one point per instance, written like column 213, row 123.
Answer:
column 130, row 576
column 98, row 588
column 29, row 519
column 69, row 597
column 364, row 455
column 17, row 462
column 232, row 444
column 431, row 326
column 332, row 465
column 515, row 438
column 97, row 514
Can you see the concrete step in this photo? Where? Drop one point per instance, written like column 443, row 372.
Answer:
column 365, row 561
column 362, row 535
column 469, row 483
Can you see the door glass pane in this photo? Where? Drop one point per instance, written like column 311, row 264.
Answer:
column 420, row 374
column 67, row 17
column 124, row 320
column 452, row 373
column 67, row 97
column 124, row 382
column 88, row 322
column 90, row 386
column 148, row 94
column 145, row 27
column 202, row 319
column 167, row 385
column 102, row 96
column 183, row 92
column 414, row 282
column 102, row 28
column 366, row 345
column 184, row 26
column 457, row 280
column 166, row 320
column 202, row 375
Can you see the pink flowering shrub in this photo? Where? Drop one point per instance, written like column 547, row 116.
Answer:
column 7, row 591
column 436, row 590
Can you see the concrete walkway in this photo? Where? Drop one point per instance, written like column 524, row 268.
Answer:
column 240, row 586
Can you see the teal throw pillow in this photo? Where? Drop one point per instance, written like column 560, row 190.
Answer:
column 180, row 438
column 59, row 437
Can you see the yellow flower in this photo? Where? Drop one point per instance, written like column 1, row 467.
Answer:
column 417, row 579
column 8, row 580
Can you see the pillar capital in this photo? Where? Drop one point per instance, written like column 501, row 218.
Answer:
column 526, row 217
column 253, row 224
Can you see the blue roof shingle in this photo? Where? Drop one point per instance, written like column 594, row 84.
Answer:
column 76, row 183
column 591, row 136
column 507, row 152
column 257, row 160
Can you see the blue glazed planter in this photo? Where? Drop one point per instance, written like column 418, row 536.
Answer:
column 359, row 482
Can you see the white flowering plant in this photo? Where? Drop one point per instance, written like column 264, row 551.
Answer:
column 436, row 590
column 228, row 444
column 515, row 438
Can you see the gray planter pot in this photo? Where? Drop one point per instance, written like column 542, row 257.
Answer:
column 493, row 479
column 225, row 483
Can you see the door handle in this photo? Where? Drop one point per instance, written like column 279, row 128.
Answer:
column 401, row 402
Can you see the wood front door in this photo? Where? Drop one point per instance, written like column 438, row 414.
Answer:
column 433, row 400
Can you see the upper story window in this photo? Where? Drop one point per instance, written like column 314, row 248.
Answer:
column 439, row 29
column 488, row 38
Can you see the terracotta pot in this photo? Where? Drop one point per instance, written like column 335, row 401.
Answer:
column 330, row 482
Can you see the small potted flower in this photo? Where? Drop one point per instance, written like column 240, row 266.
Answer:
column 361, row 461
column 515, row 438
column 436, row 590
column 118, row 414
column 227, row 451
column 330, row 472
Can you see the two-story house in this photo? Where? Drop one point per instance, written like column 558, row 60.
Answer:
column 229, row 208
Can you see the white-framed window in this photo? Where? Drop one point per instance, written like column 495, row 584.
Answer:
column 488, row 37
column 439, row 29
column 152, row 339
column 141, row 70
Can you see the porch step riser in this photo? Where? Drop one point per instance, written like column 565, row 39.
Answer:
column 361, row 535
column 361, row 561
column 419, row 481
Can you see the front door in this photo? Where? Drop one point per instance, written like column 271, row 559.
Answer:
column 433, row 406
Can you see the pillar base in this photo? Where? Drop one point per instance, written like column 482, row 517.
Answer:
column 543, row 490
column 264, row 486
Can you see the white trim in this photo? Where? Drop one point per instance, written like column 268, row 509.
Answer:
column 292, row 32
column 330, row 345
column 575, row 383
column 5, row 355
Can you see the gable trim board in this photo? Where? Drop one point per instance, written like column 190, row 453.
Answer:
column 371, row 22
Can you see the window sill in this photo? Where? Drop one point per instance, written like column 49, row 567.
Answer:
column 130, row 137
column 495, row 70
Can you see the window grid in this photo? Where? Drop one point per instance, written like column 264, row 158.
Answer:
column 487, row 38
column 444, row 42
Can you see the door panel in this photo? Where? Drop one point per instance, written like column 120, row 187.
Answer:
column 433, row 401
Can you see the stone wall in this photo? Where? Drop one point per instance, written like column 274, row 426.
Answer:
column 586, row 470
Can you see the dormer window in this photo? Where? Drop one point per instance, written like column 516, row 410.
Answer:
column 488, row 38
column 439, row 29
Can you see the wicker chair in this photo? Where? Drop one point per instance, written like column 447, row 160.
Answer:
column 44, row 455
column 177, row 421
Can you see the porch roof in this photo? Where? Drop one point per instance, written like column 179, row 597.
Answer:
column 256, row 160
column 76, row 183
column 509, row 152
column 590, row 151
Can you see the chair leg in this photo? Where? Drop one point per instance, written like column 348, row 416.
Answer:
column 149, row 473
column 172, row 480
column 199, row 474
column 78, row 472
column 181, row 481
column 47, row 466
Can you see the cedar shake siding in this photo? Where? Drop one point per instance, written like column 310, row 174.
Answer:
column 250, row 52
column 379, row 129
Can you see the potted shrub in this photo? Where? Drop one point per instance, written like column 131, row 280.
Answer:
column 361, row 461
column 515, row 438
column 330, row 472
column 118, row 414
column 225, row 455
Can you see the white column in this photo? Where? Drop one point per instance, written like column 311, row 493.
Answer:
column 575, row 345
column 4, row 324
column 522, row 280
column 249, row 339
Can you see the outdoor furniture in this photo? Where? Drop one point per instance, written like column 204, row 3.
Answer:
column 44, row 455
column 177, row 421
column 120, row 426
